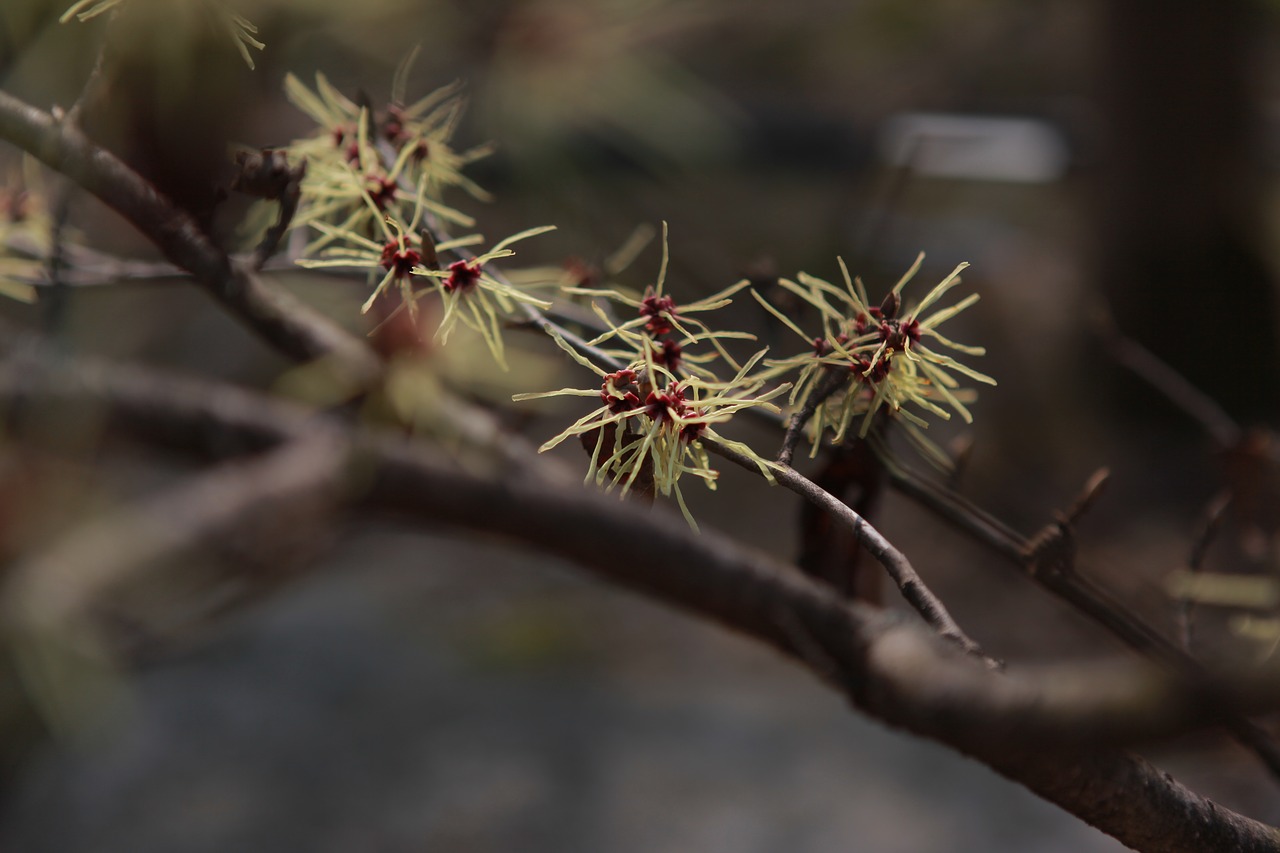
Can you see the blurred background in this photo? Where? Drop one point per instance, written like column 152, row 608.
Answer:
column 412, row 690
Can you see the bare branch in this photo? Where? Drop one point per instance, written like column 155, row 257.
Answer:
column 58, row 589
column 913, row 589
column 266, row 174
column 895, row 563
column 1193, row 402
column 1093, row 488
column 1050, row 561
column 888, row 668
column 830, row 383
column 285, row 322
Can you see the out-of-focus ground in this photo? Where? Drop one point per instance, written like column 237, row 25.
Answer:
column 418, row 691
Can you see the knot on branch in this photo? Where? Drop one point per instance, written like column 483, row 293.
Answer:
column 267, row 174
column 1052, row 551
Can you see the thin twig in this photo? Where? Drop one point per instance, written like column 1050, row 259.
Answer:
column 266, row 174
column 1043, row 561
column 1210, row 522
column 1189, row 399
column 1092, row 490
column 831, row 382
column 913, row 589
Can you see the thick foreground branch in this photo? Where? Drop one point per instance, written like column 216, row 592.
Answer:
column 888, row 667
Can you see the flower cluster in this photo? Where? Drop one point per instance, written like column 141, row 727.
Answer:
column 373, row 196
column 25, row 232
column 363, row 167
column 650, row 423
column 400, row 253
column 662, row 329
column 242, row 31
column 480, row 297
column 891, row 355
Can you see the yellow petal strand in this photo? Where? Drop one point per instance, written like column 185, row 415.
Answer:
column 910, row 273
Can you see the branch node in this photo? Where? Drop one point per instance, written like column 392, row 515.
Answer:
column 795, row 426
column 1052, row 551
column 1093, row 488
column 266, row 174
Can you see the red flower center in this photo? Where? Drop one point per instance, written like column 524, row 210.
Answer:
column 862, row 364
column 693, row 430
column 670, row 355
column 462, row 275
column 861, row 323
column 660, row 310
column 382, row 191
column 663, row 406
column 618, row 391
column 398, row 259
column 895, row 333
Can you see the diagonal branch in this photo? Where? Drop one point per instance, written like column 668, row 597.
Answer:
column 913, row 589
column 886, row 666
column 912, row 586
column 830, row 384
column 59, row 588
column 285, row 322
column 1049, row 560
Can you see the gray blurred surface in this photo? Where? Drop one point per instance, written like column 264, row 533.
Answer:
column 433, row 694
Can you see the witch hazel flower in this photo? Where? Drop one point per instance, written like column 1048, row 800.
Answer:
column 663, row 328
column 242, row 31
column 673, row 352
column 649, row 422
column 25, row 229
column 354, row 196
column 478, row 296
column 335, row 115
column 894, row 359
column 419, row 134
column 392, row 259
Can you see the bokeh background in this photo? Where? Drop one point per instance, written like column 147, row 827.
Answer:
column 408, row 690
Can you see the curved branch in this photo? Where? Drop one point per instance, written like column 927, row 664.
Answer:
column 887, row 667
column 714, row 578
column 60, row 586
column 285, row 322
column 1078, row 591
column 912, row 587
column 830, row 384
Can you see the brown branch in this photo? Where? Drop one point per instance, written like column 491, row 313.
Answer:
column 913, row 588
column 738, row 588
column 1049, row 559
column 716, row 576
column 56, row 591
column 831, row 382
column 1210, row 521
column 1189, row 399
column 285, row 322
column 889, row 668
column 266, row 174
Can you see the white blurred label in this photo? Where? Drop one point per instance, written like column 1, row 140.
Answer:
column 974, row 148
